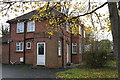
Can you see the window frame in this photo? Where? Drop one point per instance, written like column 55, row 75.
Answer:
column 20, row 47
column 59, row 48
column 29, row 27
column 80, row 48
column 18, row 27
column 74, row 44
column 27, row 45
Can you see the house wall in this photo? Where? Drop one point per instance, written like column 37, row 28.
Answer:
column 77, row 58
column 65, row 48
column 51, row 51
column 5, row 53
column 52, row 59
column 4, row 49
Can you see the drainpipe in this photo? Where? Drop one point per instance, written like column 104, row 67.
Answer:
column 62, row 52
column 9, row 41
column 9, row 51
column 24, row 57
column 82, row 41
column 71, row 45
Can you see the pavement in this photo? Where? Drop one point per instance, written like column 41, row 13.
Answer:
column 26, row 71
column 0, row 71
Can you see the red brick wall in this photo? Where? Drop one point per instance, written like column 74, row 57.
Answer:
column 5, row 53
column 76, row 58
column 5, row 49
column 51, row 51
column 52, row 58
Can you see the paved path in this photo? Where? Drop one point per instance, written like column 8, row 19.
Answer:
column 0, row 71
column 26, row 71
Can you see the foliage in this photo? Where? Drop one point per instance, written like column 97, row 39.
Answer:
column 111, row 63
column 106, row 45
column 95, row 59
column 72, row 11
column 5, row 31
column 97, row 52
column 88, row 73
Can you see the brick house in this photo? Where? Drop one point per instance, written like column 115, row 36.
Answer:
column 30, row 44
column 5, row 48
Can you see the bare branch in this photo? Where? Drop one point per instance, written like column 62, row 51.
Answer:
column 71, row 12
column 88, row 6
column 98, row 19
column 53, row 6
column 11, row 3
column 91, row 11
column 92, row 20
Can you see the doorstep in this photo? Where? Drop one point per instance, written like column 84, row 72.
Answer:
column 72, row 65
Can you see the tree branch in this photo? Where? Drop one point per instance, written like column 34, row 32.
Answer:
column 98, row 19
column 88, row 6
column 91, row 11
column 53, row 6
column 11, row 4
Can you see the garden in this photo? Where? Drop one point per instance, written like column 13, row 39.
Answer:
column 99, row 63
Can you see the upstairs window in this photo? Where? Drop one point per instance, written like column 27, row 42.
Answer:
column 20, row 27
column 30, row 26
column 74, row 48
column 19, row 46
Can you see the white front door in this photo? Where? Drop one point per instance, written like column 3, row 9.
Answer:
column 41, row 53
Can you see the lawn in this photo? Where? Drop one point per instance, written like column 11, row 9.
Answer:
column 83, row 72
column 111, row 63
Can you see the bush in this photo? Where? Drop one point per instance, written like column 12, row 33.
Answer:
column 95, row 59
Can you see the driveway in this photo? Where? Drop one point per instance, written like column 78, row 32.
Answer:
column 26, row 71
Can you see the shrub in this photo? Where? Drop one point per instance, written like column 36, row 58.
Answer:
column 95, row 59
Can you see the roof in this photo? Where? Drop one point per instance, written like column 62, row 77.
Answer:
column 29, row 15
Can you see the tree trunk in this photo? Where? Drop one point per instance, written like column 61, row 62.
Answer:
column 115, row 22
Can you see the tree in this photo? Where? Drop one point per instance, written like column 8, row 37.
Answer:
column 106, row 45
column 115, row 22
column 5, row 30
column 71, row 16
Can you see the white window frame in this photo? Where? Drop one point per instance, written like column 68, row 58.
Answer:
column 20, row 47
column 59, row 48
column 20, row 27
column 30, row 28
column 74, row 44
column 80, row 48
column 27, row 45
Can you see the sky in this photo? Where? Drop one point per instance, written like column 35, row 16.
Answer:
column 107, row 35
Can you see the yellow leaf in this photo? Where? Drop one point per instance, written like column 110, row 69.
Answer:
column 51, row 33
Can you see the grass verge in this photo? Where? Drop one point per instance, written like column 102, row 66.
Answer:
column 108, row 71
column 88, row 73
